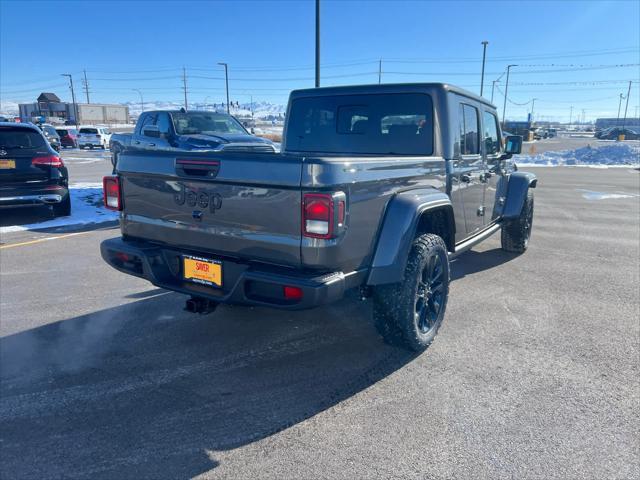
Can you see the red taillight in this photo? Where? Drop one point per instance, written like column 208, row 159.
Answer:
column 49, row 160
column 317, row 215
column 292, row 293
column 111, row 190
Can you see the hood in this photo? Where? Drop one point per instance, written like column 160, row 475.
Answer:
column 204, row 141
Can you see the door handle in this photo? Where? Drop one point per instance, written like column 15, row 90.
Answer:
column 152, row 144
column 137, row 142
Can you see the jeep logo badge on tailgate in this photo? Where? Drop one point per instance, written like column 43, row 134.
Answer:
column 201, row 198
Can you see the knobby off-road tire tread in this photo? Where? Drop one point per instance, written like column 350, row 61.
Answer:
column 513, row 237
column 394, row 304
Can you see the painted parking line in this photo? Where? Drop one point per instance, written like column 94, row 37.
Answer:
column 45, row 239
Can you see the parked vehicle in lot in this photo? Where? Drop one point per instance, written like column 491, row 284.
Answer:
column 172, row 130
column 68, row 137
column 90, row 137
column 376, row 188
column 615, row 132
column 51, row 135
column 31, row 172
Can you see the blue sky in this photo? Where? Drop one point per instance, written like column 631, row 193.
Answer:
column 564, row 50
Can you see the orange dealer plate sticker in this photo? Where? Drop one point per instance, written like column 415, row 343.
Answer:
column 203, row 271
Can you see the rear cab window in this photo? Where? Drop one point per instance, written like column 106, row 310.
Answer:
column 368, row 124
column 90, row 131
column 14, row 139
column 469, row 131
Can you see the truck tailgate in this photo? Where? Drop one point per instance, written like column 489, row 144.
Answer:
column 239, row 205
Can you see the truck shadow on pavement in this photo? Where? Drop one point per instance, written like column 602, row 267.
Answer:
column 145, row 390
column 474, row 261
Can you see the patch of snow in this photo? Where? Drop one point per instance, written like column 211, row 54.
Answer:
column 87, row 207
column 615, row 154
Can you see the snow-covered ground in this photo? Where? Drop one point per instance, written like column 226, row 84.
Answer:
column 87, row 207
column 614, row 154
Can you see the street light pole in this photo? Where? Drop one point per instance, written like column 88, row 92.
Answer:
column 493, row 87
column 226, row 79
column 506, row 91
column 317, row 43
column 484, row 56
column 73, row 97
column 141, row 99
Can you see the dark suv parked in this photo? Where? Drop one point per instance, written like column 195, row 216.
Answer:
column 51, row 135
column 31, row 172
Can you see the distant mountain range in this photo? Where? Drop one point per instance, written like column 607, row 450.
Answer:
column 261, row 109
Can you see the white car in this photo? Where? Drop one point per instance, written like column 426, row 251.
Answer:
column 90, row 136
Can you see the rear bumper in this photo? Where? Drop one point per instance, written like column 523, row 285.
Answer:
column 30, row 197
column 243, row 284
column 84, row 142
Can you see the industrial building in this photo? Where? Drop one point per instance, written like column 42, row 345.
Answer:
column 49, row 108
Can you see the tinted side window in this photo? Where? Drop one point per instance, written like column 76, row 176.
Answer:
column 491, row 137
column 148, row 119
column 469, row 132
column 163, row 123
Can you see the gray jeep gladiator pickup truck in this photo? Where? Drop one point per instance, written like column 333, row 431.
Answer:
column 376, row 188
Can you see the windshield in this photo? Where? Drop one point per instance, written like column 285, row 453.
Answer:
column 381, row 124
column 20, row 138
column 62, row 133
column 190, row 123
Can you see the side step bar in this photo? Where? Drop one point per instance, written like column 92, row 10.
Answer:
column 467, row 244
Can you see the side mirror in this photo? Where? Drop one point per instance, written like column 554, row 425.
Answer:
column 253, row 131
column 151, row 131
column 513, row 144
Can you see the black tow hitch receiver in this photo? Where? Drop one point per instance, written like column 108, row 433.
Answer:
column 200, row 305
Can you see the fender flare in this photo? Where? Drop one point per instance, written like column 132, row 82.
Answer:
column 517, row 188
column 398, row 231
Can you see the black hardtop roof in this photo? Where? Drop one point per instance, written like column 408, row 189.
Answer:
column 388, row 88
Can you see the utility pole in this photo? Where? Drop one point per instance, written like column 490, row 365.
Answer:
column 251, row 106
column 226, row 80
column 379, row 71
column 141, row 99
column 184, row 87
column 493, row 87
column 626, row 107
column 484, row 56
column 619, row 105
column 317, row 43
column 533, row 102
column 86, row 86
column 506, row 91
column 570, row 116
column 73, row 98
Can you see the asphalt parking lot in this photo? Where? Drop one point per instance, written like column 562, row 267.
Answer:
column 534, row 374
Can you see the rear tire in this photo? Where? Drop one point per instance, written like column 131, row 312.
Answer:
column 408, row 314
column 515, row 233
column 63, row 209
